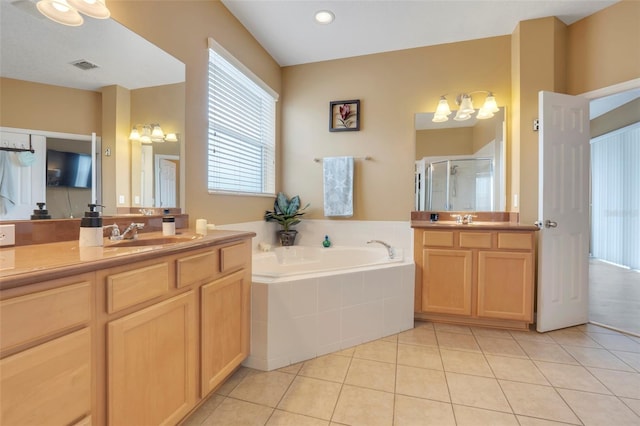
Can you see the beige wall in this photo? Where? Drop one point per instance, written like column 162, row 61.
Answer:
column 437, row 142
column 391, row 87
column 36, row 106
column 622, row 116
column 537, row 49
column 116, row 170
column 603, row 49
column 181, row 28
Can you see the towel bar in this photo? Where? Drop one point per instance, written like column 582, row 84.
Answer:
column 367, row 158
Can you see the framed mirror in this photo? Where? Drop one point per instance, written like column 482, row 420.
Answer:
column 460, row 165
column 40, row 54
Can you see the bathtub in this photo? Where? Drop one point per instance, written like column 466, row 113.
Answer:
column 310, row 301
column 297, row 260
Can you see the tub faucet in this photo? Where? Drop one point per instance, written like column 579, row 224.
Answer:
column 391, row 250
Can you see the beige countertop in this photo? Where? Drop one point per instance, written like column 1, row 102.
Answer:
column 489, row 226
column 27, row 264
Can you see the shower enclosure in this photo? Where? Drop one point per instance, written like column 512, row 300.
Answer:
column 456, row 184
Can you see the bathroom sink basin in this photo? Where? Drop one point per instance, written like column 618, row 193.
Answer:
column 150, row 241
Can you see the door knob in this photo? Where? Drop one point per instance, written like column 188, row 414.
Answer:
column 550, row 224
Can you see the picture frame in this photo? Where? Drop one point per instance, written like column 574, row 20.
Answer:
column 344, row 116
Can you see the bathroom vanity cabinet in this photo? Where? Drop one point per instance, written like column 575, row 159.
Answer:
column 475, row 275
column 45, row 341
column 140, row 340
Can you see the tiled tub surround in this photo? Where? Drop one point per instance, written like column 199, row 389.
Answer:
column 296, row 318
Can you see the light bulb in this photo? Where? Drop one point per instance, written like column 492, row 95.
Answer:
column 324, row 17
column 60, row 11
column 462, row 116
column 134, row 135
column 93, row 8
column 466, row 105
column 490, row 103
column 443, row 107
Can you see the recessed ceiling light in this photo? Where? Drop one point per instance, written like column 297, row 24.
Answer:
column 325, row 17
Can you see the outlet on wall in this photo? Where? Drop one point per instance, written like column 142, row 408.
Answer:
column 7, row 235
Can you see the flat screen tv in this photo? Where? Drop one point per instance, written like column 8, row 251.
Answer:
column 70, row 169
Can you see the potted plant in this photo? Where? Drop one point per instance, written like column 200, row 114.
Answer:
column 287, row 212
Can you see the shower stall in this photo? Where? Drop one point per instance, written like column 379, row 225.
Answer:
column 455, row 184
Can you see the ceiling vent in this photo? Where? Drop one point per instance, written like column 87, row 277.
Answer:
column 84, row 65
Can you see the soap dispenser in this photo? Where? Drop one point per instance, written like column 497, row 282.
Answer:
column 91, row 228
column 40, row 213
column 168, row 224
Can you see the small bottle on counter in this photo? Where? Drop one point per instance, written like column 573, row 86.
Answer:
column 326, row 241
column 168, row 224
column 91, row 228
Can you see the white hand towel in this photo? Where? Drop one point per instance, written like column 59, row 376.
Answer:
column 7, row 184
column 338, row 186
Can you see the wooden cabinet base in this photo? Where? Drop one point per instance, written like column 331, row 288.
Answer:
column 474, row 322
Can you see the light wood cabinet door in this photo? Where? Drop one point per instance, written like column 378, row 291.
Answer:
column 49, row 384
column 505, row 285
column 446, row 281
column 224, row 328
column 152, row 363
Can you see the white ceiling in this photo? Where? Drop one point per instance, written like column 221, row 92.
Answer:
column 34, row 48
column 287, row 30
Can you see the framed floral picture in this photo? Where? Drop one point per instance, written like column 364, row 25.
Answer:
column 344, row 116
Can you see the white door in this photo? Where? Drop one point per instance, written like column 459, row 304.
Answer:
column 166, row 183
column 563, row 211
column 26, row 182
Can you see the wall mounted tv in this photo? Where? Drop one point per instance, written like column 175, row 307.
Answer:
column 69, row 169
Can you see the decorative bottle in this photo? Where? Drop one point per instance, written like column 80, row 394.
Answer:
column 326, row 241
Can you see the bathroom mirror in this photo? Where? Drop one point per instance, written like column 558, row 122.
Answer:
column 460, row 165
column 36, row 49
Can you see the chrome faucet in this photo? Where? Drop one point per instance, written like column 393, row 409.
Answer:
column 115, row 232
column 130, row 233
column 468, row 218
column 463, row 220
column 391, row 250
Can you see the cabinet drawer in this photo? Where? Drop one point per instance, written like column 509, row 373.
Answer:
column 437, row 238
column 197, row 268
column 232, row 257
column 49, row 384
column 139, row 285
column 475, row 239
column 507, row 240
column 27, row 318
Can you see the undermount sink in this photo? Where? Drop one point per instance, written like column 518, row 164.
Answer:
column 150, row 241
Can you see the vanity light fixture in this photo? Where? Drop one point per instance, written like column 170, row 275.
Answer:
column 324, row 17
column 465, row 110
column 148, row 133
column 67, row 12
column 442, row 111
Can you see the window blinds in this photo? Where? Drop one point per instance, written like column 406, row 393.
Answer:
column 241, row 147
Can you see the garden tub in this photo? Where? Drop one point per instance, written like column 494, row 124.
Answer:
column 310, row 301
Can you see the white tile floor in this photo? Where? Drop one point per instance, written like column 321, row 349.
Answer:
column 438, row 374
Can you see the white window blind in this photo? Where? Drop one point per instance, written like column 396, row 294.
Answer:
column 241, row 147
column 615, row 195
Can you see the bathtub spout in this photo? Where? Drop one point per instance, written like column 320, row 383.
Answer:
column 391, row 250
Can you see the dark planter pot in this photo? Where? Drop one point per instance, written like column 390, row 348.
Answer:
column 287, row 238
